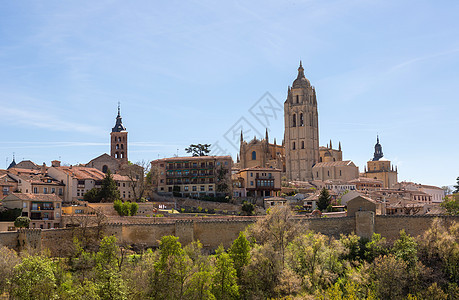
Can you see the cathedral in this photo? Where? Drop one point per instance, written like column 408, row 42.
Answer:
column 299, row 151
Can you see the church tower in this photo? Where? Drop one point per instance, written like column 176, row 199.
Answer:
column 118, row 140
column 301, row 129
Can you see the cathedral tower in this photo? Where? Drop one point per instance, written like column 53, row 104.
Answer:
column 118, row 140
column 301, row 129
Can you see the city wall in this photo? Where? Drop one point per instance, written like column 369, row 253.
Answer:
column 213, row 233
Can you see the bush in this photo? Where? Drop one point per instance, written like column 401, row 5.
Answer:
column 126, row 208
column 22, row 222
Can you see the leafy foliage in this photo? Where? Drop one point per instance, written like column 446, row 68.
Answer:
column 198, row 150
column 248, row 208
column 22, row 222
column 324, row 200
column 125, row 208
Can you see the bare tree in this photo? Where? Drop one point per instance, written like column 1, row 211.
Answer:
column 139, row 178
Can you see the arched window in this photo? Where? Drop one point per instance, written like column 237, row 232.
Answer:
column 302, row 144
column 119, row 139
column 254, row 155
column 293, row 146
column 301, row 120
column 122, row 154
column 117, row 155
column 297, row 99
column 122, row 146
column 105, row 169
column 320, row 159
column 117, row 146
column 294, row 120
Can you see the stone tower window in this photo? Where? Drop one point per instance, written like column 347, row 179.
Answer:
column 254, row 155
column 302, row 144
column 105, row 169
column 293, row 146
column 297, row 99
column 301, row 119
column 294, row 120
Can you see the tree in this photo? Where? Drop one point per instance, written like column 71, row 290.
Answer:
column 324, row 200
column 451, row 205
column 240, row 253
column 456, row 186
column 92, row 196
column 22, row 222
column 277, row 229
column 140, row 178
column 224, row 284
column 109, row 191
column 198, row 150
column 248, row 208
column 222, row 185
column 389, row 277
column 8, row 260
column 126, row 208
column 34, row 279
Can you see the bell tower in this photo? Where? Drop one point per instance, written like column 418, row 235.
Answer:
column 118, row 140
column 301, row 129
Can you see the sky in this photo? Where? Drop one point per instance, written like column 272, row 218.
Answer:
column 188, row 72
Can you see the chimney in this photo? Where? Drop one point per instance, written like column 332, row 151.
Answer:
column 56, row 163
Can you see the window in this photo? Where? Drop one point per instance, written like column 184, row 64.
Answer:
column 105, row 169
column 293, row 146
column 185, row 188
column 60, row 192
column 251, row 174
column 194, row 188
column 294, row 120
column 328, row 173
column 339, row 172
column 45, row 190
column 53, row 190
column 251, row 183
column 297, row 99
column 211, row 188
column 302, row 144
column 24, row 204
column 35, row 190
column 301, row 120
column 254, row 155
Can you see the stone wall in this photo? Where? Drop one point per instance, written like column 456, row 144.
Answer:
column 390, row 226
column 213, row 233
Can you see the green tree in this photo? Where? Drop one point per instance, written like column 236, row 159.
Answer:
column 133, row 208
column 324, row 199
column 198, row 150
column 172, row 270
column 405, row 247
column 224, row 280
column 93, row 195
column 8, row 260
column 389, row 277
column 109, row 191
column 248, row 208
column 240, row 253
column 456, row 187
column 22, row 222
column 451, row 205
column 34, row 279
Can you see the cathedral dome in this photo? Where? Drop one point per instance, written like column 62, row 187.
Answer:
column 301, row 81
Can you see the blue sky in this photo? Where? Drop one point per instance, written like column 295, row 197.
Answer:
column 186, row 72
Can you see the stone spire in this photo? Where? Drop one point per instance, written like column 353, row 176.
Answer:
column 331, row 147
column 119, row 127
column 378, row 150
column 339, row 146
column 13, row 163
column 301, row 81
column 242, row 137
column 267, row 138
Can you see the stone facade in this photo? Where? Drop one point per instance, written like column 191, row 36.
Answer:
column 261, row 153
column 301, row 129
column 335, row 170
column 380, row 168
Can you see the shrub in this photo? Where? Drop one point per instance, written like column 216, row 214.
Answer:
column 22, row 222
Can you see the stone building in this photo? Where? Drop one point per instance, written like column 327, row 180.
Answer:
column 194, row 176
column 380, row 168
column 328, row 154
column 257, row 182
column 261, row 153
column 335, row 170
column 44, row 210
column 118, row 140
column 301, row 133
